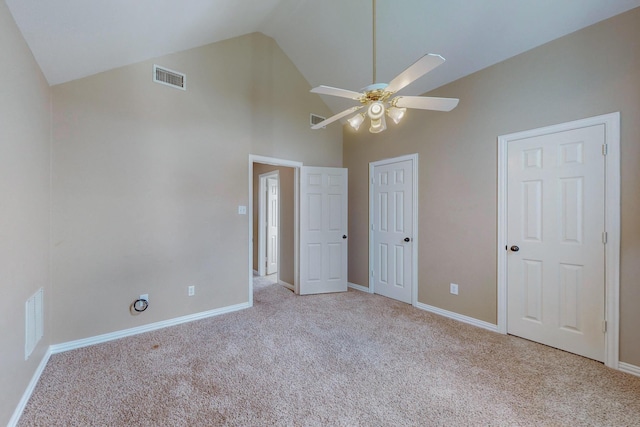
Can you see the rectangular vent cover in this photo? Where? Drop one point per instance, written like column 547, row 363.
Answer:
column 314, row 119
column 169, row 77
column 34, row 323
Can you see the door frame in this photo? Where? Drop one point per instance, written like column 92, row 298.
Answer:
column 262, row 220
column 414, row 237
column 253, row 158
column 612, row 224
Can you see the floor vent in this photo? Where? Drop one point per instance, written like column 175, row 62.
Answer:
column 314, row 119
column 34, row 322
column 169, row 77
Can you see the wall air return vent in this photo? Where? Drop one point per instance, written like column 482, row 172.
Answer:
column 314, row 119
column 169, row 77
column 34, row 322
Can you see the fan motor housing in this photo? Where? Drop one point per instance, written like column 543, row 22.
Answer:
column 375, row 92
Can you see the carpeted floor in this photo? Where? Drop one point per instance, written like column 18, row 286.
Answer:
column 349, row 359
column 262, row 281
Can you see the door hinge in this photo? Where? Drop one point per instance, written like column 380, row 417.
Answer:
column 372, row 227
column 604, row 237
column 373, row 180
column 605, row 149
column 604, row 326
column 372, row 273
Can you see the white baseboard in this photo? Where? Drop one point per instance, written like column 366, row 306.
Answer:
column 27, row 393
column 359, row 287
column 286, row 285
column 459, row 317
column 72, row 345
column 629, row 368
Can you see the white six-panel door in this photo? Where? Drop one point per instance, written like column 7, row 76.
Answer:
column 272, row 225
column 393, row 229
column 555, row 226
column 323, row 230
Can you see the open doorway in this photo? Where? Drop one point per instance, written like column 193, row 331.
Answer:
column 273, row 250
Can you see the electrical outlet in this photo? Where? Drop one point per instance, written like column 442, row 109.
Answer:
column 144, row 297
column 453, row 288
column 191, row 290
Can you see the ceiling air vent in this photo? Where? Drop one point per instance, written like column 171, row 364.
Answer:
column 169, row 77
column 314, row 119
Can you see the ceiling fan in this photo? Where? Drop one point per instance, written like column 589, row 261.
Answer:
column 377, row 97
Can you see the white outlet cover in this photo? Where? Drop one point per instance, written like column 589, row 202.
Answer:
column 144, row 297
column 242, row 210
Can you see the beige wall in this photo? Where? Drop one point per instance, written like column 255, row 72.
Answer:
column 287, row 219
column 147, row 180
column 280, row 105
column 25, row 124
column 588, row 73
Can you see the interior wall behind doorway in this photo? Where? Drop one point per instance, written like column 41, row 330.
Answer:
column 286, row 241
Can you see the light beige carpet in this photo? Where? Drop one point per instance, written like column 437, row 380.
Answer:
column 262, row 281
column 349, row 359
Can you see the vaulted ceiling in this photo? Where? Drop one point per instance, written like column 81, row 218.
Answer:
column 329, row 41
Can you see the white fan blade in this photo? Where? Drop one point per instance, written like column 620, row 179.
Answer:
column 336, row 117
column 419, row 68
column 334, row 91
column 425, row 103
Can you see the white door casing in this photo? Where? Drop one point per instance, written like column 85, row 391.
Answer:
column 559, row 204
column 272, row 226
column 323, row 230
column 393, row 214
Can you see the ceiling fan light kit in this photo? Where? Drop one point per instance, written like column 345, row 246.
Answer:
column 396, row 113
column 356, row 120
column 376, row 112
column 376, row 97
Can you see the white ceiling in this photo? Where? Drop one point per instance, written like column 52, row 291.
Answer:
column 330, row 41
